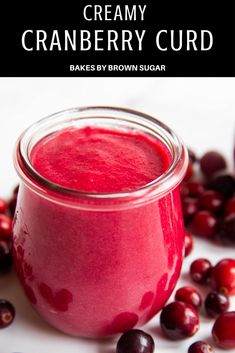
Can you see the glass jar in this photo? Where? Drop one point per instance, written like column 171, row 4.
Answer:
column 96, row 264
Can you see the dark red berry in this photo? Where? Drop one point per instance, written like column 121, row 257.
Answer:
column 189, row 171
column 224, row 184
column 135, row 341
column 200, row 271
column 12, row 206
column 5, row 225
column 189, row 295
column 179, row 320
column 200, row 347
column 204, row 224
column 5, row 255
column 223, row 277
column 223, row 331
column 3, row 206
column 211, row 163
column 211, row 200
column 216, row 303
column 226, row 231
column 184, row 189
column 192, row 156
column 195, row 188
column 7, row 313
column 188, row 243
column 190, row 207
column 230, row 207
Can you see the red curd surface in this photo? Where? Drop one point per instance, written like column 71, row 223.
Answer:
column 96, row 272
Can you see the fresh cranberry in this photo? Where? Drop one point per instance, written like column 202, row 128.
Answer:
column 226, row 231
column 195, row 188
column 189, row 171
column 230, row 207
column 7, row 313
column 204, row 224
column 179, row 320
column 216, row 303
column 200, row 347
column 192, row 156
column 200, row 271
column 188, row 243
column 5, row 255
column 184, row 189
column 223, row 276
column 3, row 206
column 5, row 225
column 135, row 341
column 189, row 295
column 223, row 331
column 224, row 184
column 211, row 200
column 190, row 207
column 211, row 163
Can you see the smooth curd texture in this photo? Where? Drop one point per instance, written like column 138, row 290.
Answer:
column 100, row 160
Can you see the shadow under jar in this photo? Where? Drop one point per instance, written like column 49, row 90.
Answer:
column 95, row 264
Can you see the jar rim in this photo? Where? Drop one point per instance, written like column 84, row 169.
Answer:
column 165, row 182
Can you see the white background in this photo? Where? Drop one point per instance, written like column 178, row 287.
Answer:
column 200, row 110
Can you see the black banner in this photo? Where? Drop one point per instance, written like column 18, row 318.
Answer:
column 144, row 38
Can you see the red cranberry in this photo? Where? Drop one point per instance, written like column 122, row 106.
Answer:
column 189, row 171
column 195, row 188
column 5, row 255
column 200, row 347
column 135, row 341
column 211, row 163
column 224, row 184
column 188, row 243
column 216, row 303
column 7, row 313
column 227, row 229
column 230, row 207
column 190, row 207
column 204, row 224
column 223, row 331
column 189, row 295
column 223, row 276
column 179, row 320
column 3, row 206
column 200, row 270
column 184, row 189
column 5, row 225
column 211, row 200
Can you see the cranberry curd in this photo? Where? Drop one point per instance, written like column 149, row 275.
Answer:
column 98, row 231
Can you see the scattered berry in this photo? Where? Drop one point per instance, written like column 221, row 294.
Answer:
column 223, row 331
column 5, row 225
column 200, row 271
column 3, row 206
column 188, row 243
column 184, row 189
column 223, row 277
column 189, row 295
column 211, row 200
column 230, row 207
column 204, row 224
column 190, row 207
column 227, row 229
column 135, row 341
column 200, row 347
column 195, row 188
column 189, row 171
column 224, row 184
column 216, row 303
column 179, row 320
column 211, row 163
column 7, row 313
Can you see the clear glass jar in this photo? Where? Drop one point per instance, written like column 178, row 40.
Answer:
column 96, row 264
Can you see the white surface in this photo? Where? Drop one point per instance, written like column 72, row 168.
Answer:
column 202, row 111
